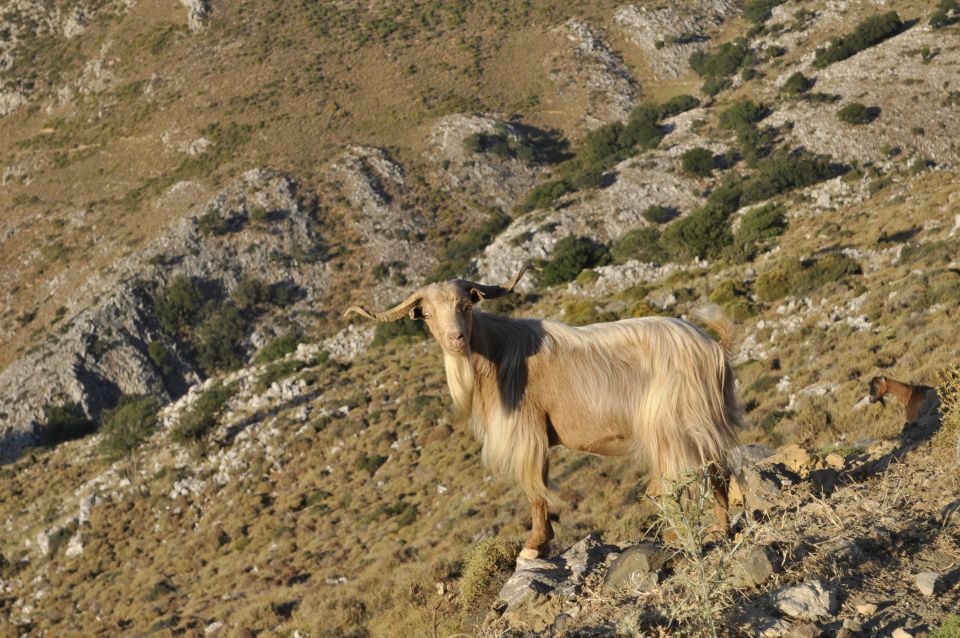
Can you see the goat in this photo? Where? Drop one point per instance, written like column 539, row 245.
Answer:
column 911, row 396
column 656, row 388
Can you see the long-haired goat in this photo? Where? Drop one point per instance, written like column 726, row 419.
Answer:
column 656, row 388
column 911, row 396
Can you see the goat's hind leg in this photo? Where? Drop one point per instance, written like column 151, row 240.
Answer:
column 537, row 546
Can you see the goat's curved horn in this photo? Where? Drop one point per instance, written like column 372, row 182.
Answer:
column 492, row 292
column 393, row 314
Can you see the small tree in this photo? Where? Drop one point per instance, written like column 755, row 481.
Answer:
column 857, row 113
column 128, row 425
column 796, row 84
column 698, row 161
column 570, row 256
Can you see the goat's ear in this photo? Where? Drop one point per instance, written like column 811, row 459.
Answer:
column 476, row 295
column 416, row 313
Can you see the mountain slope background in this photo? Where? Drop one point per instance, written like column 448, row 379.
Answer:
column 193, row 192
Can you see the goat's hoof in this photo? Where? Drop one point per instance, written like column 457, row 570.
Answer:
column 528, row 553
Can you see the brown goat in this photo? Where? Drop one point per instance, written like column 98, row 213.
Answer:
column 911, row 396
column 656, row 388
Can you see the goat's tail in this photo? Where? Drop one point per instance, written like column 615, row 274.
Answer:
column 714, row 318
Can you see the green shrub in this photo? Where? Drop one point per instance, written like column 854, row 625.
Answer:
column 405, row 327
column 570, row 256
column 869, row 32
column 181, row 306
column 128, row 425
column 161, row 357
column 251, row 295
column 212, row 223
column 371, row 463
column 698, row 161
column 857, row 113
column 950, row 628
column 784, row 172
column 741, row 113
column 658, row 214
column 220, row 340
column 796, row 84
column 64, row 423
column 202, row 416
column 703, row 233
column 546, row 195
column 758, row 11
column 642, row 244
column 534, row 147
column 279, row 347
column 811, row 275
column 774, row 283
column 457, row 255
column 734, row 297
column 757, row 226
column 489, row 562
column 724, row 61
column 678, row 104
column 714, row 84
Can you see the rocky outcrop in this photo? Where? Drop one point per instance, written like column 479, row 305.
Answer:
column 198, row 11
column 668, row 34
column 484, row 177
column 590, row 70
column 100, row 349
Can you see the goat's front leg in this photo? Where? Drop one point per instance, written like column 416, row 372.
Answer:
column 537, row 545
column 719, row 477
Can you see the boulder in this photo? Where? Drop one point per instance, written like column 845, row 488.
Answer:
column 808, row 601
column 637, row 568
column 751, row 567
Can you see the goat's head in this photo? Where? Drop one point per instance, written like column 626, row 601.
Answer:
column 447, row 307
column 878, row 388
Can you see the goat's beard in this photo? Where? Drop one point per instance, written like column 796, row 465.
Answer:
column 459, row 379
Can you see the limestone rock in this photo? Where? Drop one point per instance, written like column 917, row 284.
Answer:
column 808, row 601
column 928, row 583
column 532, row 596
column 636, row 568
column 751, row 567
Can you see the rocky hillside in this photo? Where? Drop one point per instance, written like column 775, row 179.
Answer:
column 193, row 440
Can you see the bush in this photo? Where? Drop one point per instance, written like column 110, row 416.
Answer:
column 371, row 463
column 221, row 338
column 546, row 195
column 161, row 358
column 570, row 256
column 734, row 297
column 950, row 628
column 947, row 437
column 279, row 347
column 457, row 255
column 869, row 32
column 658, row 214
column 181, row 306
column 757, row 226
column 703, row 233
column 796, row 84
column 714, row 84
column 64, row 422
column 857, row 113
column 678, row 104
column 212, row 223
column 128, row 425
column 724, row 62
column 758, row 11
column 698, row 161
column 642, row 244
column 784, row 172
column 490, row 561
column 405, row 327
column 202, row 416
column 740, row 114
column 810, row 276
